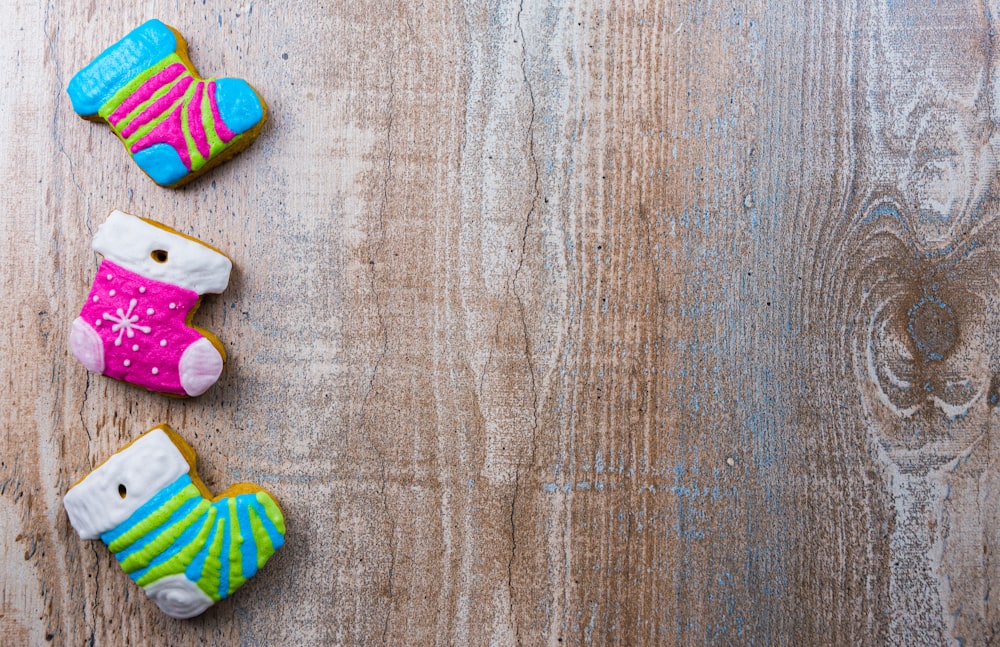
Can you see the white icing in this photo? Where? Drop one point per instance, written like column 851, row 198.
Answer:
column 145, row 467
column 200, row 366
column 86, row 345
column 127, row 362
column 155, row 370
column 178, row 597
column 130, row 242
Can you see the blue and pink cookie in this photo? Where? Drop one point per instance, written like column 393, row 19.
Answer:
column 175, row 124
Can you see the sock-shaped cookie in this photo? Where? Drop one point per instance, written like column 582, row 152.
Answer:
column 184, row 547
column 175, row 124
column 136, row 324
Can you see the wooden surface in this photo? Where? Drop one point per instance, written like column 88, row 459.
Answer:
column 552, row 323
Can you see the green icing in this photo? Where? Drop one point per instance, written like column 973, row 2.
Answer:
column 184, row 556
column 143, row 106
column 197, row 161
column 273, row 511
column 153, row 123
column 211, row 573
column 142, row 557
column 155, row 520
column 133, row 85
column 236, row 578
column 215, row 144
column 264, row 547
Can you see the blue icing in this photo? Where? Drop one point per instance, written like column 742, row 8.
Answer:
column 183, row 540
column 197, row 565
column 277, row 539
column 239, row 105
column 196, row 568
column 249, row 547
column 226, row 547
column 162, row 163
column 143, row 47
column 155, row 533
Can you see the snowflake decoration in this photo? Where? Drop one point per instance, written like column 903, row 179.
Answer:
column 125, row 323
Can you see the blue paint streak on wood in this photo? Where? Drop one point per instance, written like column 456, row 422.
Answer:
column 733, row 359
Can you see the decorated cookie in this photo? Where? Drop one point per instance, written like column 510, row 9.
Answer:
column 136, row 323
column 184, row 547
column 175, row 124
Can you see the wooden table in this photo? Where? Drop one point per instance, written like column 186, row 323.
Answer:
column 551, row 323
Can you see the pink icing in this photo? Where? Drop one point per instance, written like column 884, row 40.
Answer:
column 146, row 90
column 142, row 325
column 220, row 127
column 169, row 131
column 157, row 108
column 194, row 122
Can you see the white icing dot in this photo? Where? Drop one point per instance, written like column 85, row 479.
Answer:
column 142, row 289
column 163, row 342
column 173, row 305
column 97, row 323
column 128, row 362
column 96, row 298
column 155, row 370
column 111, row 277
column 150, row 311
column 118, row 342
column 111, row 293
column 135, row 346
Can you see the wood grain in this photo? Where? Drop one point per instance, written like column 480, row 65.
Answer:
column 551, row 323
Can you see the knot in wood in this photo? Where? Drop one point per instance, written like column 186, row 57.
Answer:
column 933, row 327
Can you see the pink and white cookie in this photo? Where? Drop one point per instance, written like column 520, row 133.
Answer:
column 136, row 323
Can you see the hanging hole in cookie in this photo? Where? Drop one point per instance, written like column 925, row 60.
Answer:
column 159, row 255
column 121, row 490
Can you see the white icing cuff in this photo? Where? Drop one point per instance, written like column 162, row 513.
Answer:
column 162, row 255
column 111, row 493
column 178, row 597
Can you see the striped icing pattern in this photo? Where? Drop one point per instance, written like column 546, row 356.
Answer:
column 167, row 104
column 217, row 545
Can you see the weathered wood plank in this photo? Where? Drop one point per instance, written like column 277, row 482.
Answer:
column 552, row 323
